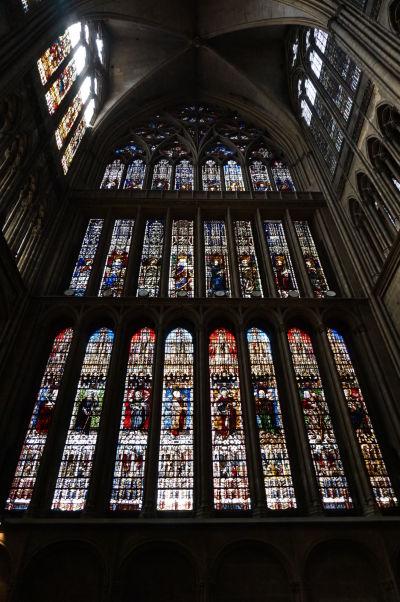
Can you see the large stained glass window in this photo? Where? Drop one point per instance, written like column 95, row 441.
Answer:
column 76, row 464
column 259, row 176
column 150, row 266
column 247, row 260
column 58, row 51
column 181, row 267
column 135, row 175
column 344, row 66
column 72, row 113
column 282, row 178
column 325, row 454
column 278, row 482
column 231, row 487
column 117, row 260
column 162, row 175
column 282, row 267
column 361, row 423
column 28, row 465
column 63, row 83
column 233, row 176
column 210, row 175
column 312, row 262
column 77, row 136
column 85, row 261
column 175, row 466
column 113, row 175
column 127, row 491
column 184, row 175
column 217, row 265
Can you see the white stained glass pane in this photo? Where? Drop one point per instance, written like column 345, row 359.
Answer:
column 233, row 176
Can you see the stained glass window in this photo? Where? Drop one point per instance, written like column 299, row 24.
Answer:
column 76, row 465
column 361, row 423
column 311, row 260
column 233, row 176
column 184, row 175
column 329, row 123
column 247, row 260
column 344, row 66
column 175, row 466
column 85, row 261
column 35, row 439
column 63, row 83
column 113, row 175
column 325, row 454
column 282, row 178
column 275, row 459
column 231, row 487
column 58, row 51
column 282, row 267
column 181, row 268
column 72, row 113
column 217, row 264
column 127, row 491
column 77, row 136
column 117, row 260
column 335, row 90
column 259, row 176
column 150, row 266
column 162, row 175
column 135, row 175
column 210, row 175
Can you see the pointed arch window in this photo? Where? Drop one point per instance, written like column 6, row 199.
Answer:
column 250, row 282
column 67, row 122
column 231, row 487
column 76, row 464
column 32, row 450
column 181, row 268
column 259, row 176
column 233, row 176
column 150, row 266
column 135, row 175
column 113, row 175
column 282, row 178
column 216, row 255
column 211, row 176
column 284, row 276
column 117, row 259
column 175, row 465
column 52, row 58
column 380, row 482
column 162, row 173
column 278, row 482
column 184, row 175
column 128, row 482
column 312, row 262
column 332, row 481
column 58, row 90
column 83, row 267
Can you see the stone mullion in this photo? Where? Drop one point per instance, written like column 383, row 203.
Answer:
column 199, row 255
column 93, row 286
column 164, row 277
column 151, row 467
column 232, row 254
column 389, row 191
column 343, row 429
column 379, row 231
column 266, row 272
column 334, row 73
column 133, row 266
column 306, row 474
column 204, row 480
column 297, row 256
column 254, row 463
column 103, row 460
column 50, row 463
column 326, row 236
column 322, row 127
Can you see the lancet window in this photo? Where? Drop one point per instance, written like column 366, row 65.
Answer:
column 284, row 275
column 162, row 174
column 150, row 267
column 233, row 176
column 76, row 464
column 117, row 260
column 35, row 440
column 84, row 264
column 181, row 269
column 216, row 256
column 332, row 481
column 128, row 481
column 135, row 175
column 247, row 259
column 176, row 465
column 312, row 262
column 113, row 175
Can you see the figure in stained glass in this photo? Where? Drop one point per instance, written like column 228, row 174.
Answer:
column 113, row 175
column 216, row 250
column 137, row 410
column 181, row 276
column 211, row 177
column 85, row 260
column 312, row 262
column 247, row 259
column 117, row 259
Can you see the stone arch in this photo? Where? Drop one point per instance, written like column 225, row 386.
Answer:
column 265, row 571
column 342, row 570
column 70, row 570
